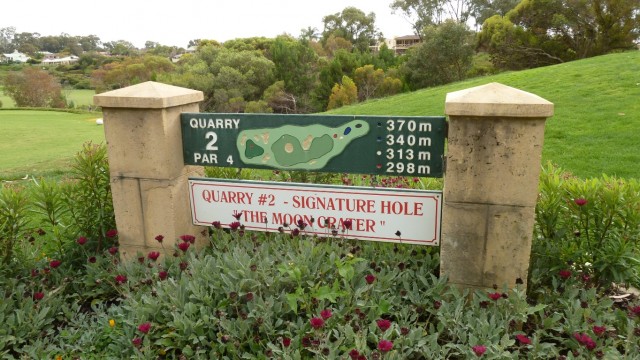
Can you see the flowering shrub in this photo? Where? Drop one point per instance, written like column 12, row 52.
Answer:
column 250, row 295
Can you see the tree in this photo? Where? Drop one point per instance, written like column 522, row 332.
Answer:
column 353, row 25
column 34, row 88
column 296, row 65
column 374, row 83
column 445, row 56
column 423, row 13
column 278, row 100
column 343, row 94
column 130, row 71
column 120, row 47
column 542, row 32
column 6, row 39
column 484, row 9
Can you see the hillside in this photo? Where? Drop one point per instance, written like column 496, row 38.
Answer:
column 596, row 126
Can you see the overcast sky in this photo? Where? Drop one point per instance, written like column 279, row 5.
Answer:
column 178, row 21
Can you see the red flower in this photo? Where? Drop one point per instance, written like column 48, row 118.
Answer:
column 495, row 296
column 565, row 274
column 144, row 327
column 286, row 342
column 92, row 259
column 370, row 278
column 55, row 263
column 188, row 238
column 385, row 345
column 295, row 232
column 437, row 304
column 163, row 275
column 479, row 350
column 249, row 296
column 216, row 224
column 580, row 201
column 234, row 225
column 154, row 255
column 121, row 279
column 599, row 330
column 237, row 214
column 585, row 340
column 354, row 354
column 383, row 324
column 113, row 250
column 38, row 296
column 636, row 310
column 159, row 238
column 111, row 233
column 301, row 224
column 347, row 224
column 523, row 339
column 81, row 240
column 316, row 323
column 136, row 342
column 184, row 246
column 326, row 314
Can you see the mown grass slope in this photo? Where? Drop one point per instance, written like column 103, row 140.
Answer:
column 37, row 142
column 596, row 126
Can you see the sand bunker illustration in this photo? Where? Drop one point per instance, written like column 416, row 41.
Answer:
column 298, row 147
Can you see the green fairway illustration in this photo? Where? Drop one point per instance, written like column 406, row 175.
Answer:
column 298, row 147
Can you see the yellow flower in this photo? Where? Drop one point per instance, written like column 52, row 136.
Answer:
column 59, row 357
column 112, row 322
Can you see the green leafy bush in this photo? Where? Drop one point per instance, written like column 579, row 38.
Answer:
column 591, row 226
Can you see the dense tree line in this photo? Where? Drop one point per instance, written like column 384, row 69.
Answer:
column 325, row 69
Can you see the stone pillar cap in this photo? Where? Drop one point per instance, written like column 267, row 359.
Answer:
column 497, row 100
column 148, row 95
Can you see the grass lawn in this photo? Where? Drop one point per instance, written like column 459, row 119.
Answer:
column 37, row 142
column 596, row 126
column 79, row 97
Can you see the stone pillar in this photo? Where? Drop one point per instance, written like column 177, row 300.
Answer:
column 491, row 184
column 148, row 175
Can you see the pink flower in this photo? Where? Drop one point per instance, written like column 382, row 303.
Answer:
column 565, row 274
column 326, row 314
column 121, row 279
column 523, row 339
column 316, row 322
column 234, row 225
column 154, row 255
column 479, row 350
column 113, row 250
column 347, row 224
column 636, row 310
column 383, row 324
column 184, row 246
column 599, row 330
column 159, row 238
column 286, row 342
column 580, row 201
column 354, row 354
column 370, row 278
column 163, row 275
column 188, row 238
column 111, row 233
column 144, row 327
column 81, row 240
column 55, row 263
column 385, row 345
column 38, row 296
column 136, row 342
column 495, row 296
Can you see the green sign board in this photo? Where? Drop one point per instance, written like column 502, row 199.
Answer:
column 383, row 145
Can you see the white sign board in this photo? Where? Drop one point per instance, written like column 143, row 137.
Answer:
column 376, row 214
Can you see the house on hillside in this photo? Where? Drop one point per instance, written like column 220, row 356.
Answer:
column 399, row 44
column 16, row 56
column 47, row 55
column 67, row 60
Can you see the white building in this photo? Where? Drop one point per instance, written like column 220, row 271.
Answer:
column 16, row 57
column 61, row 61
